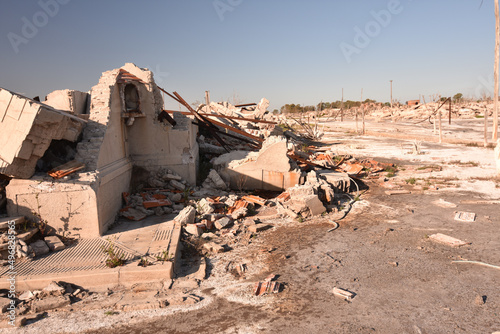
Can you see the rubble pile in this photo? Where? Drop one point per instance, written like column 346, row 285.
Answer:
column 3, row 196
column 53, row 296
column 30, row 241
column 462, row 110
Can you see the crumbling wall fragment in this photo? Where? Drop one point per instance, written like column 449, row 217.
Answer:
column 72, row 101
column 268, row 169
column 27, row 128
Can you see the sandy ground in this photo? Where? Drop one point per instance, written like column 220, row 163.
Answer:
column 402, row 280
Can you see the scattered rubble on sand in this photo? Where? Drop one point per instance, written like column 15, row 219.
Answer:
column 228, row 171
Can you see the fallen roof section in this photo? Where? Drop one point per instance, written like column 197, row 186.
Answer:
column 27, row 128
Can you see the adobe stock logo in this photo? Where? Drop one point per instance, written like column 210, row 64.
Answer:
column 372, row 29
column 486, row 86
column 40, row 19
column 222, row 6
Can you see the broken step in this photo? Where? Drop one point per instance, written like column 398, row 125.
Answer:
column 5, row 222
column 22, row 236
column 259, row 227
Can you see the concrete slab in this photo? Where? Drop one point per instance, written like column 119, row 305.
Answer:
column 84, row 262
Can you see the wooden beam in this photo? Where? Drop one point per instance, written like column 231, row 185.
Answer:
column 224, row 116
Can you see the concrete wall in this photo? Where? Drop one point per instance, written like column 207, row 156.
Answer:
column 153, row 144
column 113, row 142
column 68, row 207
column 72, row 101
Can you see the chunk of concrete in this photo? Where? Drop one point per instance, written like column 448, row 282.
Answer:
column 261, row 108
column 268, row 169
column 194, row 229
column 55, row 289
column 214, row 180
column 213, row 247
column 204, row 207
column 186, row 216
column 447, row 240
column 259, row 227
column 314, row 204
column 72, row 101
column 177, row 185
column 50, row 303
column 223, row 223
column 54, row 243
column 340, row 181
column 298, row 192
column 26, row 295
column 239, row 213
column 40, row 247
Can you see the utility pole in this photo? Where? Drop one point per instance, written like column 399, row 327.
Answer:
column 391, row 92
column 497, row 56
column 207, row 101
column 362, row 114
column 342, row 107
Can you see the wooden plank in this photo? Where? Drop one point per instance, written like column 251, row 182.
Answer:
column 66, row 169
column 224, row 116
column 206, row 123
column 241, row 132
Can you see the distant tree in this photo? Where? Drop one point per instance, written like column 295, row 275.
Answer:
column 457, row 97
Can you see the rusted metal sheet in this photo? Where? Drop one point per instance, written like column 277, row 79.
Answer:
column 125, row 76
column 66, row 169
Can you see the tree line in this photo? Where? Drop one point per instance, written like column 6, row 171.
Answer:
column 297, row 108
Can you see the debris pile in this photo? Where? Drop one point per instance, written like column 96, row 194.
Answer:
column 30, row 242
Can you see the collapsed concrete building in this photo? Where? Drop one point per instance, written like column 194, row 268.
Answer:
column 111, row 134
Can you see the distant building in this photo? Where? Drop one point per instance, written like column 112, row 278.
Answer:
column 413, row 103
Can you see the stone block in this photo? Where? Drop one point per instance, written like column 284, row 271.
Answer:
column 186, row 216
column 40, row 247
column 299, row 192
column 259, row 227
column 194, row 229
column 54, row 288
column 177, row 185
column 314, row 204
column 213, row 247
column 50, row 303
column 223, row 223
column 214, row 180
column 204, row 207
column 54, row 243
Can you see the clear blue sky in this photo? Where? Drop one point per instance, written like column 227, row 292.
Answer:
column 287, row 51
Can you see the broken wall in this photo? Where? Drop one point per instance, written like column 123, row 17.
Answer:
column 73, row 101
column 269, row 169
column 122, row 132
column 27, row 128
